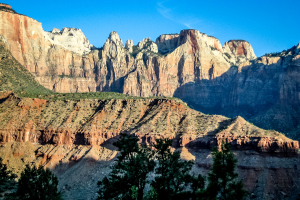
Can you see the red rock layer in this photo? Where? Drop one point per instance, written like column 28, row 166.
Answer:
column 96, row 122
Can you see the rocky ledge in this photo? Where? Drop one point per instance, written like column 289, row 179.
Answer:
column 100, row 121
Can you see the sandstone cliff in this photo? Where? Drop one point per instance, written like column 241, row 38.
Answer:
column 55, row 58
column 239, row 48
column 226, row 80
column 71, row 39
column 13, row 76
column 96, row 121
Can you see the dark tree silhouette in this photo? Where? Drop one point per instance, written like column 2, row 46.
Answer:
column 37, row 183
column 6, row 177
column 222, row 179
column 173, row 176
column 128, row 177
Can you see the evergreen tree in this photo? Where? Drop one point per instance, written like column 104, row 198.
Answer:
column 222, row 180
column 128, row 177
column 6, row 177
column 173, row 174
column 37, row 183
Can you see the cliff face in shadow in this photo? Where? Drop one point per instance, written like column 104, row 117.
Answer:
column 96, row 121
column 265, row 92
column 79, row 168
column 192, row 66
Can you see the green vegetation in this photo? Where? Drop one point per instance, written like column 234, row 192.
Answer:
column 172, row 177
column 66, row 76
column 135, row 51
column 6, row 177
column 290, row 51
column 213, row 48
column 34, row 183
column 173, row 174
column 129, row 176
column 239, row 40
column 37, row 183
column 13, row 76
column 222, row 180
column 87, row 95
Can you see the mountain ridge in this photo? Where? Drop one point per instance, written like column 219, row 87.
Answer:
column 194, row 67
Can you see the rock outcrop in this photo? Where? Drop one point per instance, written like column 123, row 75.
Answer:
column 129, row 45
column 238, row 48
column 297, row 51
column 167, row 43
column 6, row 8
column 227, row 80
column 71, row 39
column 96, row 122
column 147, row 45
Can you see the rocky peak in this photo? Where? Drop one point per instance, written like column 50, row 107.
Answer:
column 55, row 30
column 5, row 5
column 6, row 8
column 114, row 37
column 297, row 50
column 147, row 45
column 167, row 43
column 200, row 41
column 239, row 48
column 113, row 46
column 129, row 45
column 71, row 39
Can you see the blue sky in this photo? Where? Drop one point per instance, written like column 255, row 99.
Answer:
column 270, row 26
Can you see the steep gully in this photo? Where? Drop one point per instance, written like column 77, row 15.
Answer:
column 228, row 80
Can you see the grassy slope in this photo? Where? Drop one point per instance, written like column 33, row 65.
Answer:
column 13, row 76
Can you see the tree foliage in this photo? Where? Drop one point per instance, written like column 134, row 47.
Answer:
column 222, row 179
column 6, row 176
column 37, row 183
column 129, row 175
column 173, row 174
column 172, row 177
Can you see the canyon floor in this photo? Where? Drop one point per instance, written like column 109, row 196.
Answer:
column 80, row 167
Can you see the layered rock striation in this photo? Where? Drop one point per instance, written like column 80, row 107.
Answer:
column 227, row 80
column 96, row 122
column 56, row 59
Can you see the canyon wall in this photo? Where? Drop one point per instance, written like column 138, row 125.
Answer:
column 97, row 122
column 192, row 66
column 64, row 61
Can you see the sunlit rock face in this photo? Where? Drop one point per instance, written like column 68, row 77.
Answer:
column 238, row 50
column 95, row 121
column 71, row 39
column 190, row 65
column 167, row 43
column 129, row 45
